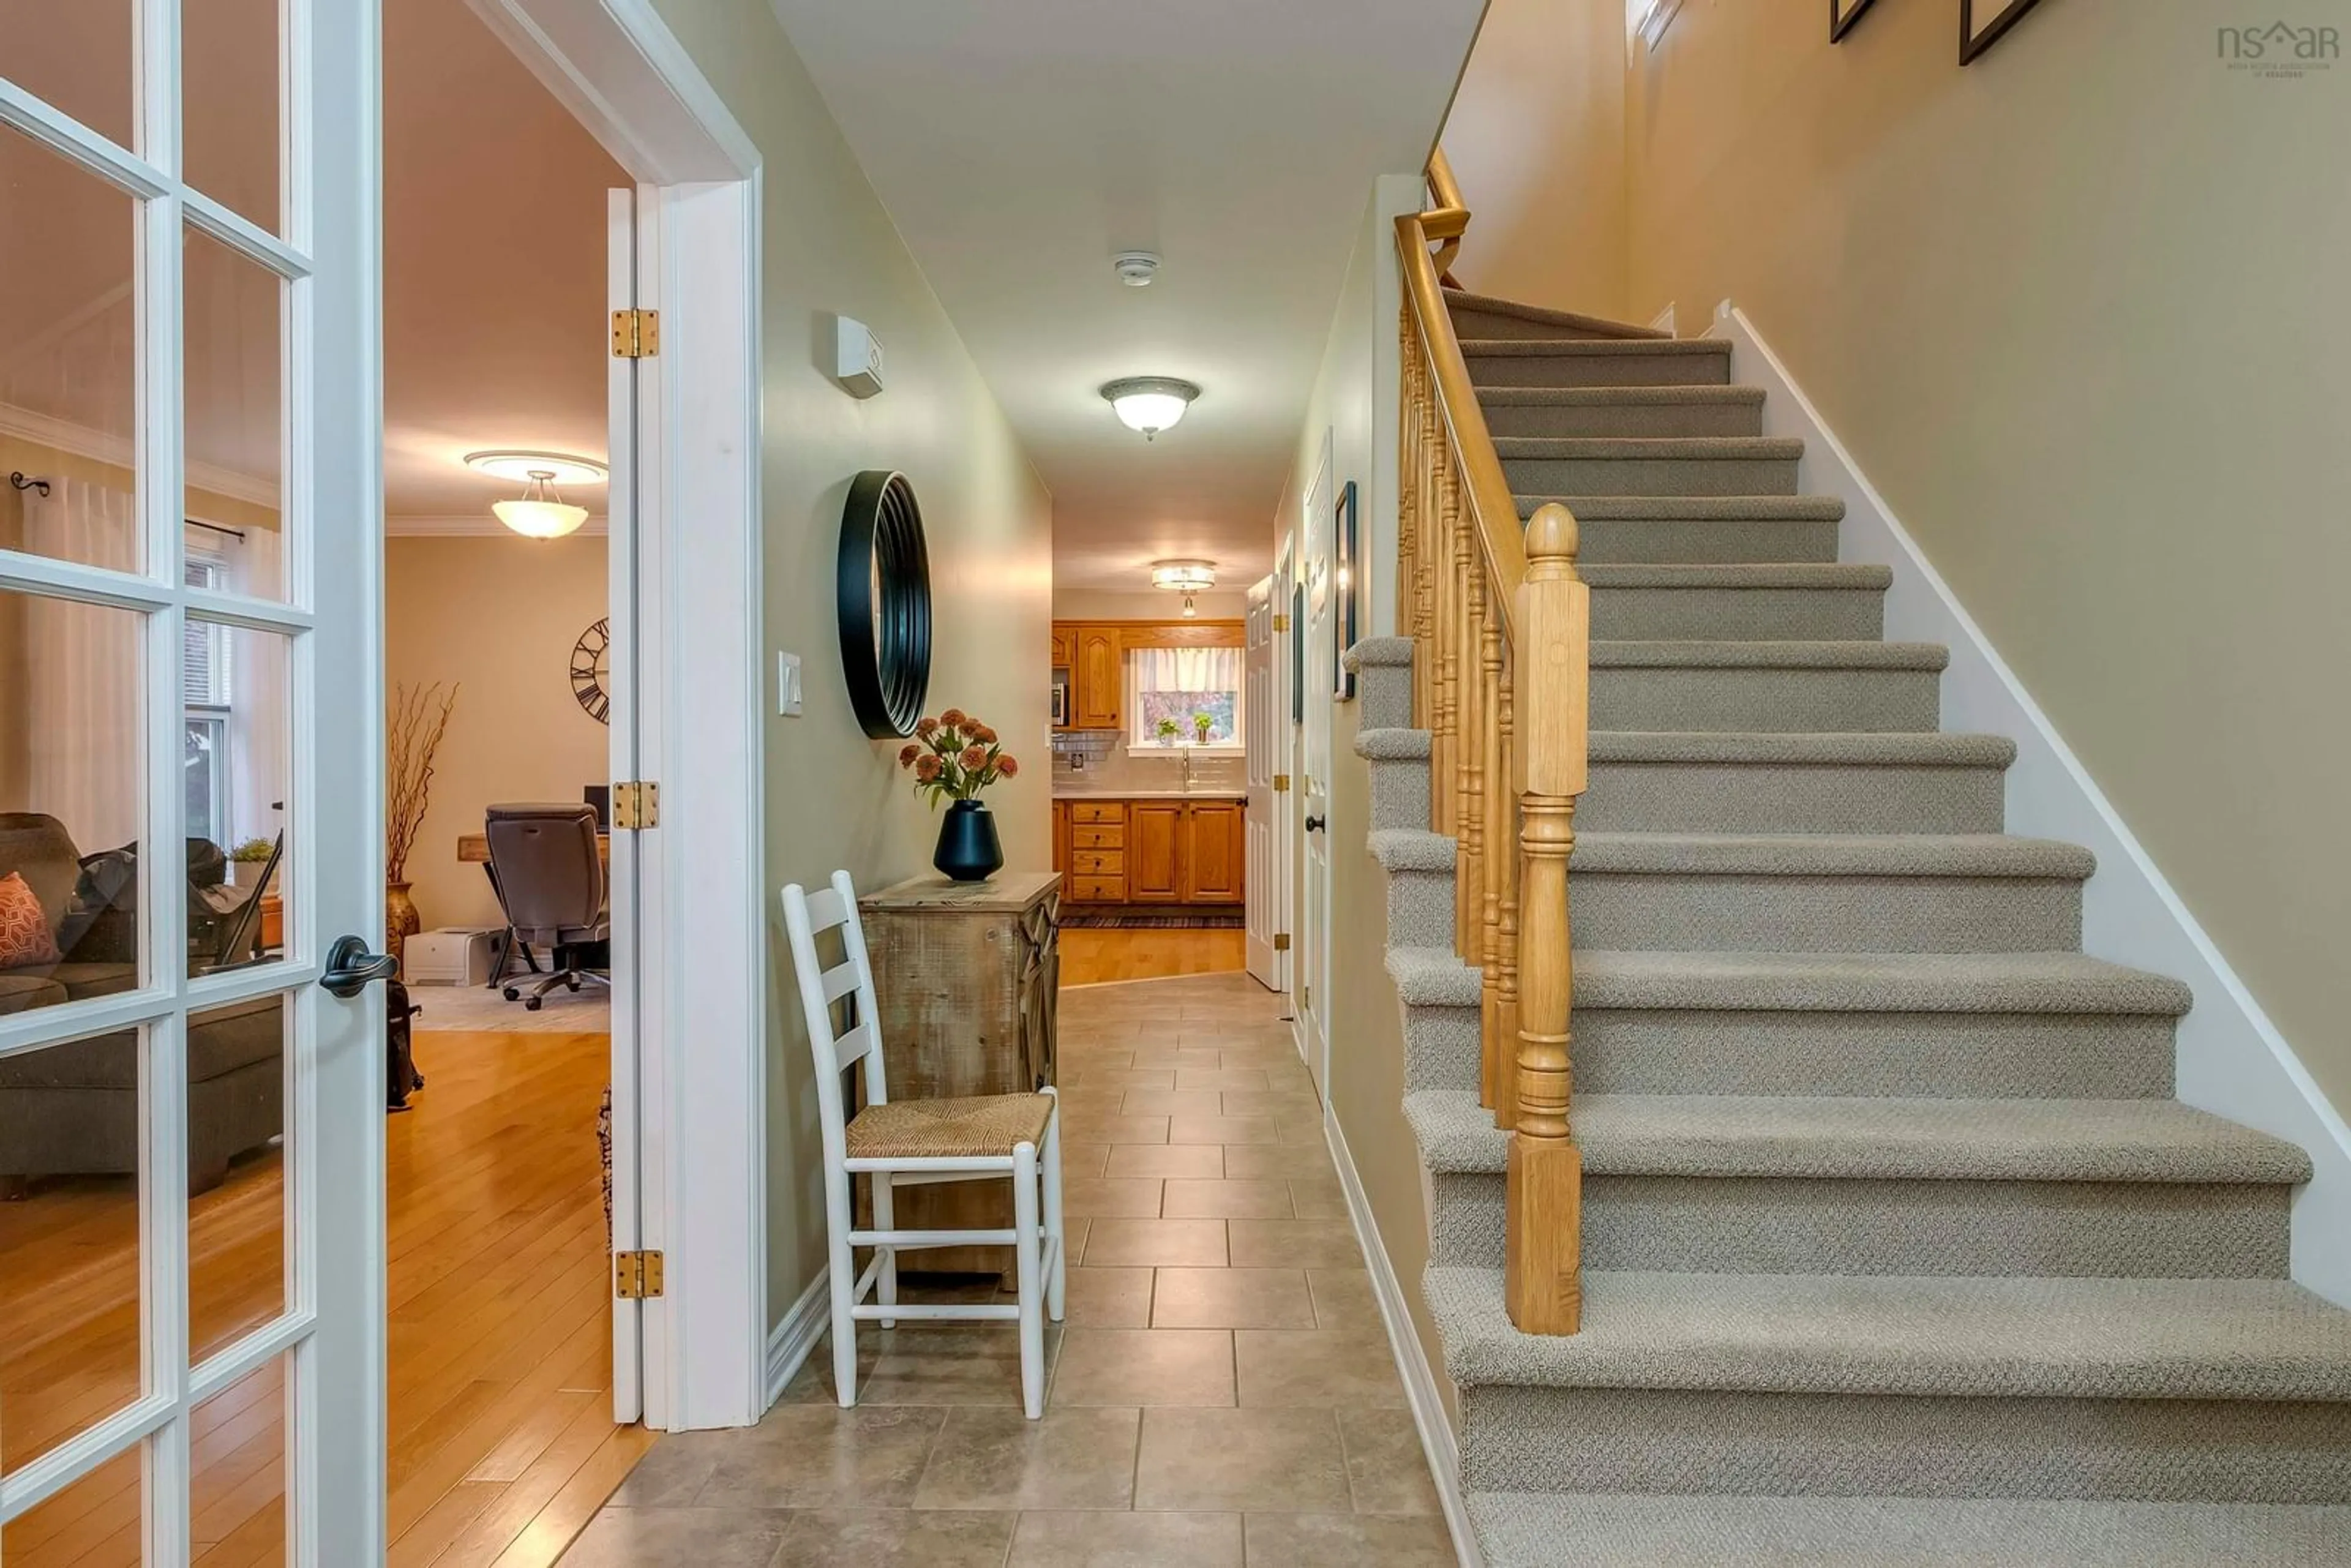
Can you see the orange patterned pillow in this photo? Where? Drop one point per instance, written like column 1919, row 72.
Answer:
column 25, row 936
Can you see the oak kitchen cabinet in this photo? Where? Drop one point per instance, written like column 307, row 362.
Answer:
column 1140, row 850
column 1097, row 678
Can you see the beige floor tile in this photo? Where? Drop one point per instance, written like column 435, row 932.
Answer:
column 1284, row 1103
column 1173, row 1102
column 1071, row 1458
column 1095, row 1127
column 1208, row 1075
column 1294, row 1244
column 694, row 1538
column 1241, row 1460
column 1318, row 1197
column 1110, row 1299
column 1387, row 1471
column 1231, row 1299
column 1180, row 1060
column 1083, row 1159
column 1130, row 1243
column 1078, row 1101
column 1091, row 1197
column 1344, row 1299
column 1318, row 1366
column 863, row 1538
column 821, row 1456
column 1347, row 1541
column 1262, row 1161
column 1195, row 1161
column 1223, row 1130
column 1145, row 1366
column 1121, row 1077
column 1227, row 1200
column 1304, row 1130
column 1242, row 1056
column 1126, row 1540
column 1292, row 1079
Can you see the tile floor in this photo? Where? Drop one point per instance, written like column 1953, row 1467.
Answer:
column 1222, row 1392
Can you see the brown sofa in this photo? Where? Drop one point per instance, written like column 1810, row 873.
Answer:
column 73, row 1109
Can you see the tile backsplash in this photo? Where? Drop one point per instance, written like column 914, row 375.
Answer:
column 1099, row 759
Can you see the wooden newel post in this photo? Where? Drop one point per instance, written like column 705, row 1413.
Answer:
column 1552, row 661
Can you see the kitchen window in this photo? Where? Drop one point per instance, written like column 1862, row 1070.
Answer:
column 1178, row 685
column 205, row 696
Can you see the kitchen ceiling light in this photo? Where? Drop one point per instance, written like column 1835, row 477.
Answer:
column 521, row 466
column 1150, row 404
column 1183, row 576
column 1135, row 269
column 542, row 513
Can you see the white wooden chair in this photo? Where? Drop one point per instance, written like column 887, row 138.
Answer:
column 912, row 1142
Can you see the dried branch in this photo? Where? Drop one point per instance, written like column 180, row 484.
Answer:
column 419, row 718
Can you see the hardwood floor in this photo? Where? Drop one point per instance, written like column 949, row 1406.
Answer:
column 502, row 1443
column 1092, row 956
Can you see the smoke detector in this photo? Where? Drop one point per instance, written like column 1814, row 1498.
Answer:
column 1135, row 269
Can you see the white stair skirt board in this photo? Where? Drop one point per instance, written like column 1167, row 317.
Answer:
column 2229, row 1058
column 1438, row 1442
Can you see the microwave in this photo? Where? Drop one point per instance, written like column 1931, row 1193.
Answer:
column 1061, row 705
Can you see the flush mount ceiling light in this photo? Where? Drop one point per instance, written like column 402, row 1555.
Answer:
column 518, row 466
column 1183, row 576
column 1135, row 269
column 1150, row 404
column 542, row 513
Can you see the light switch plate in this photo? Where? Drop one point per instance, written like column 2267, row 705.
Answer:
column 787, row 686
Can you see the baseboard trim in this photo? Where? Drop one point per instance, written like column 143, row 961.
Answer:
column 1663, row 321
column 2231, row 1060
column 1436, row 1439
column 790, row 1341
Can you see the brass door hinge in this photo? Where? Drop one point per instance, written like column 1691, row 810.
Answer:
column 1281, row 622
column 1282, row 941
column 1281, row 783
column 636, row 334
column 637, row 805
column 636, row 1276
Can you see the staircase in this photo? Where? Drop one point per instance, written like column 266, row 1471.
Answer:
column 1896, row 1247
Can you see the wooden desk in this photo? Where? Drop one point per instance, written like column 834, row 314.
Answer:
column 474, row 849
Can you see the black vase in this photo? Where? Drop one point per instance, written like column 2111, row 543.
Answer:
column 968, row 849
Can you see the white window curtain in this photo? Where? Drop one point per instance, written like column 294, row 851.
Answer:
column 1188, row 669
column 82, row 668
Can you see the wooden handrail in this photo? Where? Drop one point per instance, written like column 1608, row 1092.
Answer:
column 1502, row 655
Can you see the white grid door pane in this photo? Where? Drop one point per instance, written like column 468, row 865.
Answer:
column 198, row 535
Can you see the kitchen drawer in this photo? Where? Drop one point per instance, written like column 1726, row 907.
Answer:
column 1098, row 862
column 1098, row 812
column 1112, row 837
column 1098, row 889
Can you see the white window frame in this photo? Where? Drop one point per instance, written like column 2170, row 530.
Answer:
column 217, row 714
column 1140, row 745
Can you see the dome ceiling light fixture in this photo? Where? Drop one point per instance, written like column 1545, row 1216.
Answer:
column 542, row 512
column 1150, row 404
column 1187, row 578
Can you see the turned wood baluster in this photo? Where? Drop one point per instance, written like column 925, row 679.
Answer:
column 1498, row 846
column 1541, row 1285
column 1502, row 868
column 1444, row 670
column 1469, row 838
column 1407, row 482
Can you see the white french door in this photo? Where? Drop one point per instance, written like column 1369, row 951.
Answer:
column 1261, row 886
column 192, row 1062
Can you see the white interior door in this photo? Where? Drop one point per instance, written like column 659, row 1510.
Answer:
column 1315, row 584
column 190, row 664
column 633, row 385
column 1262, row 889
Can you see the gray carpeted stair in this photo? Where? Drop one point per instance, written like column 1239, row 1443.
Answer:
column 1898, row 1247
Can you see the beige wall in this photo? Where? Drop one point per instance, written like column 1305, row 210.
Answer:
column 1354, row 401
column 1151, row 604
column 1546, row 75
column 2072, row 310
column 836, row 798
column 497, row 616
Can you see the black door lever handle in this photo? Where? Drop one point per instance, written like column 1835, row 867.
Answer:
column 351, row 968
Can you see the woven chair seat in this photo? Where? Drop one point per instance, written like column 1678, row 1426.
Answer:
column 949, row 1129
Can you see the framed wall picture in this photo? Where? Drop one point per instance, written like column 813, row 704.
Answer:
column 1343, row 606
column 1843, row 15
column 1982, row 23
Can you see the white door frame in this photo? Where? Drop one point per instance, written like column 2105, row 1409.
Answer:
column 689, row 557
column 1315, row 565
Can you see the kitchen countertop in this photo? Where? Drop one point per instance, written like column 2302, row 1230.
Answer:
column 1150, row 794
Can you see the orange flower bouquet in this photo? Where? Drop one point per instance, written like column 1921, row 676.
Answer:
column 953, row 757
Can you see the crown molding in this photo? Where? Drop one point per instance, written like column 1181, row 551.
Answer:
column 100, row 447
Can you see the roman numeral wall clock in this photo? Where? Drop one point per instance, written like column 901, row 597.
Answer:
column 591, row 665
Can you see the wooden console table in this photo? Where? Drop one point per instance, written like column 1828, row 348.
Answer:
column 967, row 977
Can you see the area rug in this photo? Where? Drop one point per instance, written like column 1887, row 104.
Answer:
column 1088, row 920
column 588, row 1011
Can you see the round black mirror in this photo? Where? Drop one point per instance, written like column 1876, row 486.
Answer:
column 884, row 594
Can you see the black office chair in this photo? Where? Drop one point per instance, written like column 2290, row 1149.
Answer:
column 550, row 882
